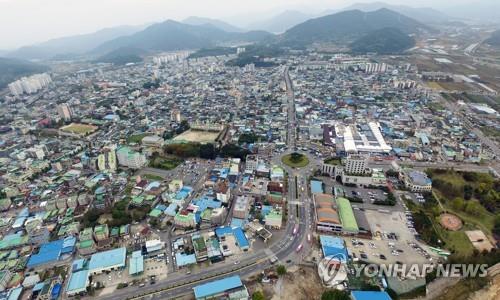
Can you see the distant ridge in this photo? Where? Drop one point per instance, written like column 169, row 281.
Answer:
column 193, row 20
column 349, row 25
column 171, row 35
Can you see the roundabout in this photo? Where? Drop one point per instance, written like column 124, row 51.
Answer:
column 295, row 160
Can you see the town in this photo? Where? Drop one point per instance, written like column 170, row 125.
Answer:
column 185, row 176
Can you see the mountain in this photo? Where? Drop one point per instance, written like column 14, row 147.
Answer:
column 281, row 22
column 216, row 23
column 122, row 56
column 421, row 14
column 383, row 41
column 77, row 44
column 171, row 35
column 494, row 39
column 11, row 69
column 349, row 25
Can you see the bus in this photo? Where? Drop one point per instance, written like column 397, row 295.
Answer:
column 296, row 229
column 299, row 248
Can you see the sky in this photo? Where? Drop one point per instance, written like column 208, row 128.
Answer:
column 27, row 22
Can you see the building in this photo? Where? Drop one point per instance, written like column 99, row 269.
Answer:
column 370, row 295
column 251, row 164
column 356, row 165
column 106, row 161
column 360, row 138
column 274, row 218
column 327, row 218
column 241, row 207
column 136, row 263
column 30, row 85
column 416, row 181
column 227, row 288
column 129, row 158
column 65, row 111
column 107, row 261
column 349, row 224
column 175, row 116
column 153, row 246
column 5, row 277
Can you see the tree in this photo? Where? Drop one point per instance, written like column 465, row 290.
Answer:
column 335, row 295
column 207, row 151
column 281, row 269
column 258, row 295
column 295, row 157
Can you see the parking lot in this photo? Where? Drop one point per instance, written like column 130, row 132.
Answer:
column 152, row 267
column 393, row 241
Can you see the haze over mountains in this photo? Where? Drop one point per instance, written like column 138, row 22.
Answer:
column 77, row 44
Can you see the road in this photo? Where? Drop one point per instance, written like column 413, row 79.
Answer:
column 299, row 212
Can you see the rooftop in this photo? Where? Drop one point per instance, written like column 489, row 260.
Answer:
column 216, row 287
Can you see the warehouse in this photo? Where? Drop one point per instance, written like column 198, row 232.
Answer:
column 230, row 288
column 108, row 260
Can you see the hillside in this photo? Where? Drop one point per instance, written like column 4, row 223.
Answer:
column 171, row 35
column 122, row 56
column 494, row 39
column 383, row 41
column 349, row 25
column 193, row 20
column 11, row 69
column 75, row 45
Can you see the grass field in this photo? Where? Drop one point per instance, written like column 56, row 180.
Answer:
column 152, row 177
column 287, row 160
column 82, row 129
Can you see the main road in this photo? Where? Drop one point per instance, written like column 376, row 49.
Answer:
column 299, row 212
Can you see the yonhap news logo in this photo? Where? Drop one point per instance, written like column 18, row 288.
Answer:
column 332, row 269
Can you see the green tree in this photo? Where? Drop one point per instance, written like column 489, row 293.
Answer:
column 296, row 157
column 335, row 295
column 281, row 269
column 258, row 295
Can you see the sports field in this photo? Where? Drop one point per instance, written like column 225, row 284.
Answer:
column 81, row 129
column 198, row 136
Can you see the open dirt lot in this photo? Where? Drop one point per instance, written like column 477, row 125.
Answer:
column 197, row 136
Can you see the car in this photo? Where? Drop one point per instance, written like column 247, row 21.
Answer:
column 237, row 262
column 288, row 261
column 382, row 257
column 364, row 256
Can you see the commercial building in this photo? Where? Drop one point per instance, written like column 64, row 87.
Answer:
column 366, row 138
column 327, row 218
column 227, row 288
column 416, row 181
column 356, row 165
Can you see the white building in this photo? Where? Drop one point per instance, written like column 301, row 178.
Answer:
column 30, row 85
column 416, row 181
column 356, row 164
column 129, row 158
column 251, row 164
